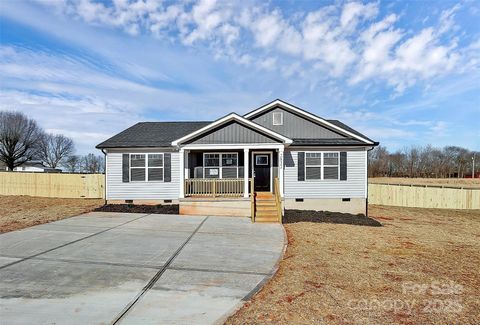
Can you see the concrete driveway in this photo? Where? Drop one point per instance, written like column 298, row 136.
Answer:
column 103, row 268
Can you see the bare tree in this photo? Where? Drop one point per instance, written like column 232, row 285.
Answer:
column 54, row 149
column 378, row 161
column 92, row 163
column 19, row 139
column 72, row 163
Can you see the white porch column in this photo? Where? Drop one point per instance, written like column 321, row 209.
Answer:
column 181, row 194
column 187, row 166
column 246, row 168
column 280, row 170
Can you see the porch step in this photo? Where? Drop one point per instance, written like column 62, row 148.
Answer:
column 266, row 219
column 266, row 203
column 265, row 207
column 266, row 215
column 264, row 195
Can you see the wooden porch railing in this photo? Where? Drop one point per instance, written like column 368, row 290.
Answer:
column 278, row 200
column 231, row 187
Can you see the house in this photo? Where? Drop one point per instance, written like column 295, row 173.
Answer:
column 36, row 166
column 287, row 157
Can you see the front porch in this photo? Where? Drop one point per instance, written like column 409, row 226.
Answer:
column 221, row 180
column 229, row 171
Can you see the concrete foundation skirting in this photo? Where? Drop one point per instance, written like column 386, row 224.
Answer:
column 216, row 207
column 143, row 202
column 354, row 206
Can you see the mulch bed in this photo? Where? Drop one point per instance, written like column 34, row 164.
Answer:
column 292, row 216
column 137, row 208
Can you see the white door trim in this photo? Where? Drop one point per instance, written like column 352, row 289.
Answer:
column 270, row 153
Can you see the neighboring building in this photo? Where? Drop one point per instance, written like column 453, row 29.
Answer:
column 314, row 164
column 37, row 167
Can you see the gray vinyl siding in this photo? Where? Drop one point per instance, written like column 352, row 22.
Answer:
column 295, row 126
column 232, row 133
column 353, row 187
column 118, row 190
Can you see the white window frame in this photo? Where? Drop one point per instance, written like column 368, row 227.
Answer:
column 322, row 165
column 146, row 166
column 220, row 163
column 262, row 155
column 281, row 118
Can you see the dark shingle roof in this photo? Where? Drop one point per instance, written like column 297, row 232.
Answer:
column 161, row 134
column 151, row 134
column 347, row 128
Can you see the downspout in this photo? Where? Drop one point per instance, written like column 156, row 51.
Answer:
column 105, row 180
column 366, row 201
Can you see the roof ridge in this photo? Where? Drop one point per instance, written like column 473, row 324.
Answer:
column 175, row 122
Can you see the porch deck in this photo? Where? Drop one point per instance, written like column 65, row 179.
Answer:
column 226, row 197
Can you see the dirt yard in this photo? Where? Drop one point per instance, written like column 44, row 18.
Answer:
column 17, row 212
column 420, row 267
column 455, row 182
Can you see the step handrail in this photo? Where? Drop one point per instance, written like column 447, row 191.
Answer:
column 278, row 200
column 252, row 200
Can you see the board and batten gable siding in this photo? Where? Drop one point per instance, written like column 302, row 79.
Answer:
column 119, row 190
column 232, row 132
column 294, row 126
column 352, row 187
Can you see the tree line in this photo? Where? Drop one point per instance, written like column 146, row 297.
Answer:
column 22, row 140
column 422, row 161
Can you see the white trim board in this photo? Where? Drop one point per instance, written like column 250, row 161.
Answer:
column 234, row 146
column 310, row 116
column 228, row 118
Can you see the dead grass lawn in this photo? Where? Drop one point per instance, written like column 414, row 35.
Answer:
column 336, row 273
column 18, row 212
column 456, row 182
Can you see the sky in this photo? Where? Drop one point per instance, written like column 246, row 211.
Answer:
column 402, row 72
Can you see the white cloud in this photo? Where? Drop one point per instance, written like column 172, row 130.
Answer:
column 353, row 12
column 346, row 40
column 267, row 64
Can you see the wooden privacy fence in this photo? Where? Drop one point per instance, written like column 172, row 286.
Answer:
column 424, row 196
column 53, row 185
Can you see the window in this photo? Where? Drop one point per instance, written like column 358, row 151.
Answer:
column 261, row 160
column 137, row 168
column 321, row 165
column 220, row 165
column 313, row 165
column 330, row 165
column 146, row 167
column 155, row 167
column 212, row 165
column 277, row 118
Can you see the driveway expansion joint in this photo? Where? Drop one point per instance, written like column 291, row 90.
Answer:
column 157, row 276
column 69, row 243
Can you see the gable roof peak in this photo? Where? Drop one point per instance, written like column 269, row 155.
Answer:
column 232, row 117
column 310, row 116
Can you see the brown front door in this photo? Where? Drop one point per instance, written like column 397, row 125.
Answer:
column 261, row 172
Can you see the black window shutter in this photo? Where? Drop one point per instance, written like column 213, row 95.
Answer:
column 125, row 168
column 343, row 166
column 301, row 166
column 167, row 164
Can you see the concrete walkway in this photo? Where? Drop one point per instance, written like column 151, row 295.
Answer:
column 104, row 268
